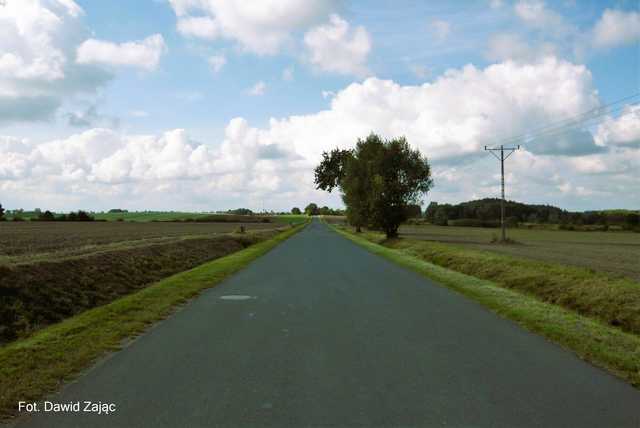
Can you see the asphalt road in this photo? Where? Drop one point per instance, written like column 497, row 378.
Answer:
column 335, row 336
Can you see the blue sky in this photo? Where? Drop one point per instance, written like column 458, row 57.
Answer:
column 153, row 108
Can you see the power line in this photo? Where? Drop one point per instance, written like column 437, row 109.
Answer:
column 551, row 129
column 563, row 128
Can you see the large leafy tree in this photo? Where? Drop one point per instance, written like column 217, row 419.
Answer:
column 311, row 209
column 378, row 179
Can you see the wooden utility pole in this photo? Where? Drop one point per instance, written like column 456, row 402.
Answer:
column 502, row 158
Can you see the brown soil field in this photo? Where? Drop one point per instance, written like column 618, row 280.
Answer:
column 51, row 271
column 27, row 241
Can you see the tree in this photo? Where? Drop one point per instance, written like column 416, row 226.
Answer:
column 84, row 216
column 1, row 213
column 311, row 209
column 440, row 217
column 430, row 212
column 378, row 179
column 240, row 211
column 414, row 211
column 46, row 216
column 296, row 211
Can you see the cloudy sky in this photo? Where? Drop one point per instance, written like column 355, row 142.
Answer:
column 217, row 104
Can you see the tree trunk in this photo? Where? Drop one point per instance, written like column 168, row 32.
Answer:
column 358, row 229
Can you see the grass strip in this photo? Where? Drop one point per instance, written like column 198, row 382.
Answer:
column 614, row 301
column 592, row 340
column 41, row 363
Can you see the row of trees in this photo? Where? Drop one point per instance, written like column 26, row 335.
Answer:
column 72, row 216
column 39, row 215
column 379, row 181
column 313, row 209
column 486, row 212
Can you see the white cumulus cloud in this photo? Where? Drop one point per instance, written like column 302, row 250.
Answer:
column 621, row 131
column 198, row 26
column 262, row 27
column 335, row 47
column 37, row 49
column 449, row 120
column 616, row 27
column 144, row 53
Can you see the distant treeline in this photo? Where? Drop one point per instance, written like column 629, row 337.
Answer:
column 314, row 209
column 486, row 213
column 72, row 216
column 38, row 215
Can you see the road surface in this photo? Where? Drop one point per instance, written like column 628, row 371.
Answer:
column 319, row 332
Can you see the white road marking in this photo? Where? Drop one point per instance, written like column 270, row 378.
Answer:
column 236, row 297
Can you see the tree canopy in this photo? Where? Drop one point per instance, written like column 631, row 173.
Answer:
column 312, row 209
column 380, row 180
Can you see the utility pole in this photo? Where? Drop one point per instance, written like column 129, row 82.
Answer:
column 502, row 158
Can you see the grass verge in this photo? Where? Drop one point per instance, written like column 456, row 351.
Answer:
column 600, row 344
column 613, row 300
column 39, row 364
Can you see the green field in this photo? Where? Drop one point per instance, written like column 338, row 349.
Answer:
column 616, row 253
column 290, row 218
